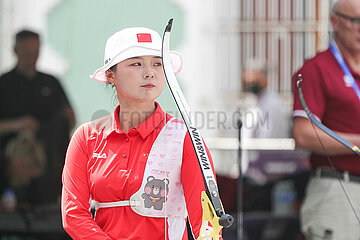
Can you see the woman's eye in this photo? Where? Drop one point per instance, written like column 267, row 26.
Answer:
column 158, row 64
column 136, row 64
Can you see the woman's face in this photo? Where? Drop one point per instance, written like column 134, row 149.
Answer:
column 139, row 79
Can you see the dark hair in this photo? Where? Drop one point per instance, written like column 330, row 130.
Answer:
column 113, row 68
column 24, row 34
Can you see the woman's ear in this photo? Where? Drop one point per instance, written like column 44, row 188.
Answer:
column 110, row 76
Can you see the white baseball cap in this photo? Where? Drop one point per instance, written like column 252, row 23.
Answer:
column 133, row 42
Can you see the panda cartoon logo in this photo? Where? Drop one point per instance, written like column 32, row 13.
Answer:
column 155, row 192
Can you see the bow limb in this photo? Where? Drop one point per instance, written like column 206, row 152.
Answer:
column 322, row 127
column 213, row 211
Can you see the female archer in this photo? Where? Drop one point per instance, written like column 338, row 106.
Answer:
column 137, row 165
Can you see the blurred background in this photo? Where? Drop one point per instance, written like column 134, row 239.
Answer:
column 216, row 39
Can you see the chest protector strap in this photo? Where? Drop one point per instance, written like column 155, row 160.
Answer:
column 161, row 193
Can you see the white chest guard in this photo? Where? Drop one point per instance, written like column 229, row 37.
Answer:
column 161, row 193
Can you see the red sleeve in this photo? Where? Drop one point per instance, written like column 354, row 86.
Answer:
column 193, row 184
column 312, row 88
column 76, row 217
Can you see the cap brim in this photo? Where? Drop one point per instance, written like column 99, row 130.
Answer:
column 99, row 74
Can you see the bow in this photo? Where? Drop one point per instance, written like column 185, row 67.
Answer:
column 213, row 211
column 332, row 134
column 325, row 129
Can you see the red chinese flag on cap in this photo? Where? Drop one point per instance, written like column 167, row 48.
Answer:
column 144, row 37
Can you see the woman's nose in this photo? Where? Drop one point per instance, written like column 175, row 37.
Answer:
column 149, row 73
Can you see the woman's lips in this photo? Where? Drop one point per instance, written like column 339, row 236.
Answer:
column 148, row 85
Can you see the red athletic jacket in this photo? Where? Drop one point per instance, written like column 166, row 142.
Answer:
column 106, row 164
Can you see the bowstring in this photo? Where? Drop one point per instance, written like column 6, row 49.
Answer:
column 165, row 166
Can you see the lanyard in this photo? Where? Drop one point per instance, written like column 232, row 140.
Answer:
column 339, row 58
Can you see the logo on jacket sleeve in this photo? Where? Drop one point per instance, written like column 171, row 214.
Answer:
column 155, row 192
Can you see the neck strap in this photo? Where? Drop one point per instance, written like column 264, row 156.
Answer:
column 339, row 58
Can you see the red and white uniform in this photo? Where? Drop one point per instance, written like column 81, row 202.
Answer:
column 106, row 164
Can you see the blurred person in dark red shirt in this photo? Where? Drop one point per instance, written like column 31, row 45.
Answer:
column 334, row 100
